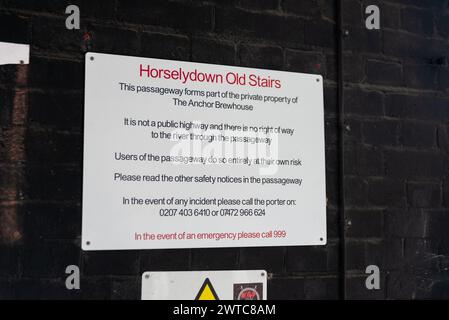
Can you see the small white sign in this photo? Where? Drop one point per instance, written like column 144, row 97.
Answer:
column 190, row 155
column 205, row 285
column 14, row 53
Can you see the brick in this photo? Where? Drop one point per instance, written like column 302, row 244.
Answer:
column 441, row 247
column 329, row 9
column 49, row 259
column 110, row 263
column 6, row 289
column 126, row 288
column 96, row 288
column 390, row 14
column 383, row 73
column 386, row 192
column 446, row 192
column 4, row 157
column 309, row 9
column 364, row 223
column 7, row 102
column 316, row 259
column 261, row 56
column 332, row 159
column 356, row 189
column 10, row 182
column 44, row 147
column 439, row 290
column 14, row 29
column 63, row 111
column 330, row 101
column 287, row 288
column 214, row 259
column 10, row 228
column 376, row 253
column 443, row 139
column 332, row 189
column 401, row 45
column 365, row 103
column 405, row 284
column 333, row 257
column 52, row 34
column 270, row 259
column 321, row 33
column 100, row 9
column 352, row 131
column 321, row 288
column 61, row 183
column 9, row 77
column 421, row 194
column 355, row 73
column 165, row 260
column 421, row 253
column 257, row 25
column 175, row 15
column 443, row 78
column 92, row 9
column 331, row 130
column 429, row 165
column 421, row 107
column 423, row 77
column 422, row 3
column 352, row 13
column 48, row 289
column 357, row 290
column 405, row 223
column 158, row 45
column 442, row 25
column 364, row 161
column 417, row 21
column 259, row 5
column 9, row 264
column 56, row 74
column 390, row 252
column 415, row 134
column 51, row 221
column 353, row 67
column 331, row 67
column 303, row 61
column 114, row 40
column 213, row 51
column 359, row 40
column 381, row 132
column 225, row 3
column 437, row 222
column 355, row 255
column 333, row 224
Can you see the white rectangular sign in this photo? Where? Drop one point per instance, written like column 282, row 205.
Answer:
column 205, row 285
column 189, row 155
column 14, row 53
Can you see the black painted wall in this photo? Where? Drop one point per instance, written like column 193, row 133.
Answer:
column 396, row 96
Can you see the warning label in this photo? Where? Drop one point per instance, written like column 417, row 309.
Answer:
column 205, row 285
column 248, row 291
column 207, row 291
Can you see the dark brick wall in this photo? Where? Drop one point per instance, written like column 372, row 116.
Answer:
column 396, row 96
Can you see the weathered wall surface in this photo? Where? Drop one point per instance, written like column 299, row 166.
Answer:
column 396, row 186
